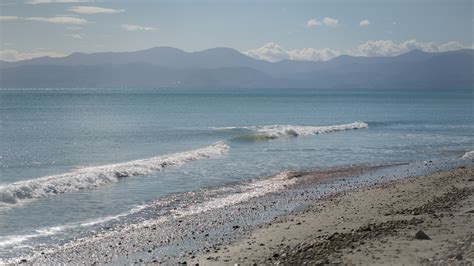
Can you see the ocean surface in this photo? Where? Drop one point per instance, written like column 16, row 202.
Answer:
column 73, row 159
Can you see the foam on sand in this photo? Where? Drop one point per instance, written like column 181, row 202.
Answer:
column 91, row 177
column 253, row 189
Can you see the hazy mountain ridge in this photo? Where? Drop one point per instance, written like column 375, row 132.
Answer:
column 228, row 68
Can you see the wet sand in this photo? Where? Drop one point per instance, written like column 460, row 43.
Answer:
column 375, row 225
column 355, row 214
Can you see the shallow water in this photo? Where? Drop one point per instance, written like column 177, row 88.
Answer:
column 53, row 132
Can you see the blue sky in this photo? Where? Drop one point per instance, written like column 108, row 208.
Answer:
column 272, row 30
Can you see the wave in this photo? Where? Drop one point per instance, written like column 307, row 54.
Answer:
column 285, row 131
column 468, row 155
column 219, row 197
column 254, row 188
column 91, row 177
column 12, row 240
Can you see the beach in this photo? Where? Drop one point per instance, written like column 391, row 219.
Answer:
column 375, row 225
column 146, row 182
column 293, row 223
column 236, row 132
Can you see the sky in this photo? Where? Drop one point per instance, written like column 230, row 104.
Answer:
column 264, row 29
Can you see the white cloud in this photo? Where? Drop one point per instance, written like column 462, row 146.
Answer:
column 94, row 10
column 274, row 52
column 76, row 36
column 74, row 28
column 377, row 48
column 9, row 18
column 364, row 23
column 55, row 20
column 327, row 21
column 312, row 23
column 450, row 46
column 330, row 21
column 35, row 2
column 14, row 55
column 60, row 20
column 271, row 52
column 311, row 54
column 129, row 27
column 390, row 48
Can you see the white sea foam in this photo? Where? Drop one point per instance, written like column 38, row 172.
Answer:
column 279, row 131
column 112, row 217
column 252, row 189
column 13, row 240
column 468, row 155
column 91, row 177
column 284, row 131
column 256, row 188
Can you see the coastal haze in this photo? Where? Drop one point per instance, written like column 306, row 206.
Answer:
column 236, row 132
column 166, row 67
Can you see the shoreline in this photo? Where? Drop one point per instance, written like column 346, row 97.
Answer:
column 372, row 225
column 206, row 234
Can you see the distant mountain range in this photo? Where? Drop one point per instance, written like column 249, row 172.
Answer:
column 166, row 67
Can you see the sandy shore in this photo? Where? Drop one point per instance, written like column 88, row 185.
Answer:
column 375, row 225
column 356, row 214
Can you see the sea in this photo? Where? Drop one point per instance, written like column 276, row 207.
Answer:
column 72, row 160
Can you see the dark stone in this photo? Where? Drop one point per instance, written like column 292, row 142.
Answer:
column 121, row 174
column 420, row 235
column 236, row 227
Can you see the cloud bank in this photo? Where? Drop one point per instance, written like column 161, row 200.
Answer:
column 273, row 52
column 11, row 55
column 390, row 48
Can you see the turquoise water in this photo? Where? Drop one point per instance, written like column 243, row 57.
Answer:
column 68, row 157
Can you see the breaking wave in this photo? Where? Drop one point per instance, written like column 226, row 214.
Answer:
column 286, row 131
column 91, row 177
column 468, row 155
